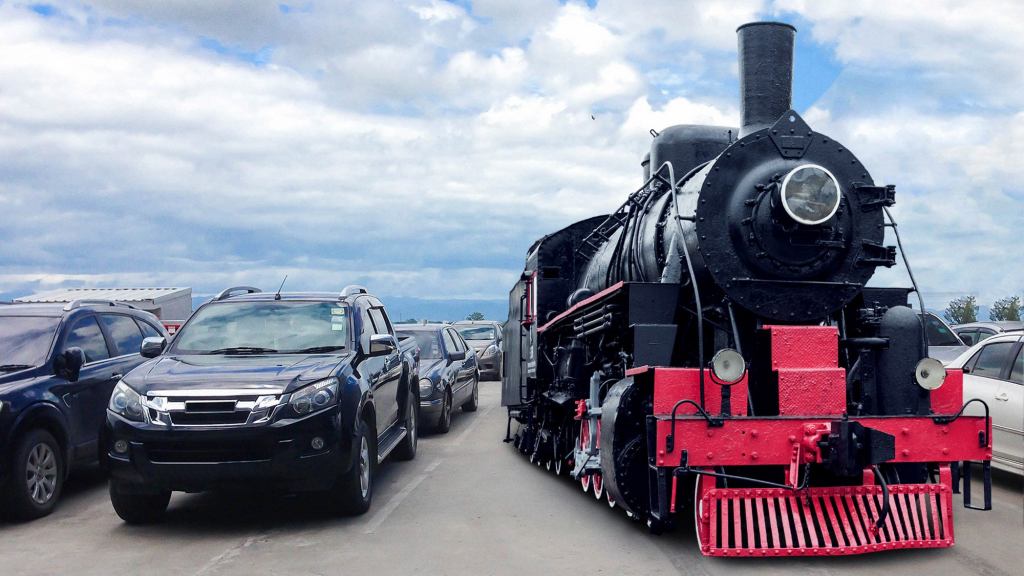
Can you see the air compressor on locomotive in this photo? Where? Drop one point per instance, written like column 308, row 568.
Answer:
column 711, row 349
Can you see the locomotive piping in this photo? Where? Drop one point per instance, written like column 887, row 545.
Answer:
column 766, row 73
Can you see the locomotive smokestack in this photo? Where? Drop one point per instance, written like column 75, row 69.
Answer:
column 766, row 73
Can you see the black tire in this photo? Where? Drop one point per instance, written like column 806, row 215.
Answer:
column 474, row 396
column 135, row 508
column 353, row 492
column 406, row 449
column 36, row 476
column 444, row 420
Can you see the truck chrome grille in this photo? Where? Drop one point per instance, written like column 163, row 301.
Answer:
column 205, row 408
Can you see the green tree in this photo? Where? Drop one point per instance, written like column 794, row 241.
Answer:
column 962, row 310
column 1005, row 309
column 475, row 316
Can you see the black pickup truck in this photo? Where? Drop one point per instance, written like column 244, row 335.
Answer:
column 294, row 391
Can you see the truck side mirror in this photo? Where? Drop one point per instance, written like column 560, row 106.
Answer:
column 68, row 364
column 153, row 346
column 382, row 345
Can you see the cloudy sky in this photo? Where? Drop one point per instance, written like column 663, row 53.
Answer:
column 420, row 146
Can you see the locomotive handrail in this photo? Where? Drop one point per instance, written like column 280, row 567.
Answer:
column 913, row 282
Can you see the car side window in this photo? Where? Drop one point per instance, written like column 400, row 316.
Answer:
column 1017, row 372
column 86, row 334
column 124, row 332
column 148, row 331
column 992, row 359
column 368, row 329
column 449, row 344
column 460, row 345
column 970, row 337
column 981, row 335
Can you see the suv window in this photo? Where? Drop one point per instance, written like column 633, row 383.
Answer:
column 25, row 340
column 991, row 360
column 148, row 331
column 85, row 333
column 380, row 322
column 124, row 332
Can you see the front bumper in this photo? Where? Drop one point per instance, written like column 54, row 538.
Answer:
column 430, row 408
column 194, row 459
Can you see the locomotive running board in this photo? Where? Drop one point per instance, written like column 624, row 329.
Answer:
column 824, row 521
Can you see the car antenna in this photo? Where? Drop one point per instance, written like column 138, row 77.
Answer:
column 278, row 295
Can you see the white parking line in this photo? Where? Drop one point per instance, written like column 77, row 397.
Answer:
column 382, row 515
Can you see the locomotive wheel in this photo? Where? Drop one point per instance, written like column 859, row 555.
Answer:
column 558, row 466
column 598, row 482
column 584, row 445
column 610, row 498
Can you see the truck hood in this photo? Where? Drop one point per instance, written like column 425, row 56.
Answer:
column 271, row 373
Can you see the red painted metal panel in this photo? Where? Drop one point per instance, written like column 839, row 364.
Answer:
column 674, row 384
column 804, row 346
column 812, row 391
column 764, row 441
column 949, row 397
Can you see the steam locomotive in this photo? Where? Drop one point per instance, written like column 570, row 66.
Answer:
column 711, row 348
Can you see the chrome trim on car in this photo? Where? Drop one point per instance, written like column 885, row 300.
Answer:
column 218, row 393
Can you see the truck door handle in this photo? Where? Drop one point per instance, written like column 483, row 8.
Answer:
column 117, row 375
column 1003, row 397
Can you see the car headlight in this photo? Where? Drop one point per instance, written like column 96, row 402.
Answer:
column 315, row 397
column 126, row 403
column 426, row 387
column 490, row 351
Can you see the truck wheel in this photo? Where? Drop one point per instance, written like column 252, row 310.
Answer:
column 444, row 421
column 406, row 450
column 136, row 508
column 353, row 491
column 36, row 476
column 474, row 399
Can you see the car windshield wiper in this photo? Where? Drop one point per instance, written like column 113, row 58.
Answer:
column 318, row 349
column 242, row 350
column 13, row 367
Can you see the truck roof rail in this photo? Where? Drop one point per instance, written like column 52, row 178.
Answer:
column 353, row 289
column 229, row 292
column 79, row 302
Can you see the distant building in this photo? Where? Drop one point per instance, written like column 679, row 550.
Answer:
column 172, row 305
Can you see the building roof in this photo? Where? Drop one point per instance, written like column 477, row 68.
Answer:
column 116, row 294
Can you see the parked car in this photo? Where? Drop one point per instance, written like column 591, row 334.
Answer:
column 974, row 332
column 449, row 375
column 58, row 365
column 943, row 344
column 484, row 336
column 295, row 391
column 994, row 372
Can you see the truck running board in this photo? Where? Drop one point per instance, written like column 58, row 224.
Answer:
column 389, row 441
column 823, row 521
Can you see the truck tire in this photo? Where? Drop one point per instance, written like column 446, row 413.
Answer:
column 136, row 508
column 36, row 476
column 474, row 397
column 353, row 491
column 406, row 449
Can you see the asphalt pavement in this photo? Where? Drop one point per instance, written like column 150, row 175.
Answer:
column 468, row 504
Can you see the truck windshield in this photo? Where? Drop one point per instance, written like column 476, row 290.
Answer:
column 477, row 332
column 265, row 327
column 25, row 341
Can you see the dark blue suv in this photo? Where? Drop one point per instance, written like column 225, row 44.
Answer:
column 299, row 392
column 58, row 366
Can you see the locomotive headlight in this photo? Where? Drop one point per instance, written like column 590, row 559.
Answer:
column 728, row 366
column 810, row 194
column 930, row 373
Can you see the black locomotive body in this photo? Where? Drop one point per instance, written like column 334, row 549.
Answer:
column 711, row 346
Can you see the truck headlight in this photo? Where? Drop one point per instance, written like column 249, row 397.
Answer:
column 126, row 403
column 315, row 397
column 426, row 387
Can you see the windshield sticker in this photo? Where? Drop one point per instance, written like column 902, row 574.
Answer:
column 337, row 311
column 338, row 327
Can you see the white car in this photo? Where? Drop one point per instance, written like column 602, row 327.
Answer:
column 994, row 372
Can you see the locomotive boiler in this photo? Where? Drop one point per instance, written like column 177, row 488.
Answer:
column 711, row 348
